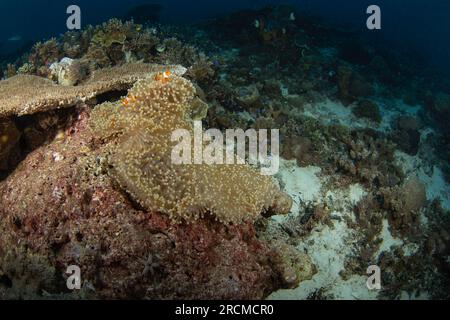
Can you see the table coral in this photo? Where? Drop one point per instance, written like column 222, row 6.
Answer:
column 26, row 94
column 141, row 160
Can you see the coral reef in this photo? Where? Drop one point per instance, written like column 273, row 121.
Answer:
column 112, row 44
column 88, row 117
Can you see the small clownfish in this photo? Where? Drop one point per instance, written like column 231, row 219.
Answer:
column 164, row 77
column 128, row 99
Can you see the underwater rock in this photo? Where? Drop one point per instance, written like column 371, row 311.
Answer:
column 360, row 88
column 440, row 109
column 272, row 88
column 74, row 214
column 367, row 109
column 295, row 266
column 344, row 76
column 408, row 123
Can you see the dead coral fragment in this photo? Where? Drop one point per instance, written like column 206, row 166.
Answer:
column 142, row 160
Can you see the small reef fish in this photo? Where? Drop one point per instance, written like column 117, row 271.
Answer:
column 163, row 77
column 126, row 101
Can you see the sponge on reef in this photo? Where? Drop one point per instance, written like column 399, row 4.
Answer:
column 139, row 137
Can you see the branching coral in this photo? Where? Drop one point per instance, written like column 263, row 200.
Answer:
column 141, row 159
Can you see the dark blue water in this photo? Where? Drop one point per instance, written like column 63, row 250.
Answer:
column 419, row 27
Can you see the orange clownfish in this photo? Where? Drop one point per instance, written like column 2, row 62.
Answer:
column 164, row 77
column 128, row 99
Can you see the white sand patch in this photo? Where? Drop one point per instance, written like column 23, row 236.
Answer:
column 409, row 164
column 354, row 288
column 388, row 240
column 391, row 109
column 343, row 200
column 328, row 249
column 436, row 187
column 333, row 112
column 356, row 193
column 431, row 176
column 302, row 184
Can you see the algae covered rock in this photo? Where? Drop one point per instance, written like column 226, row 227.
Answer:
column 75, row 214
